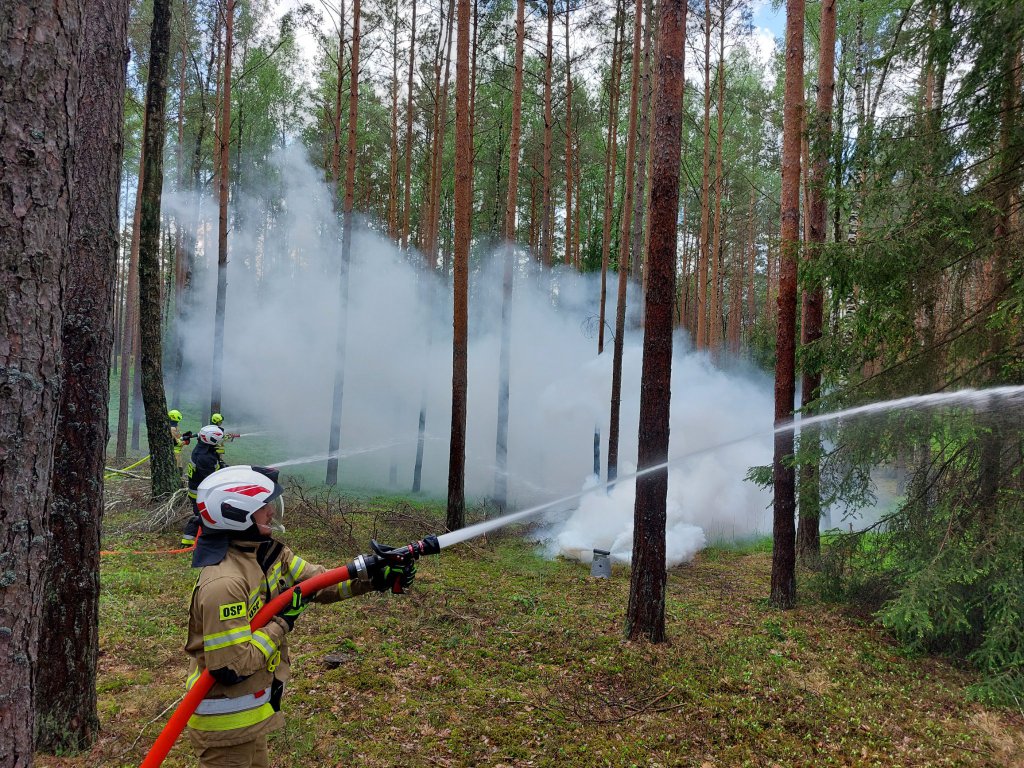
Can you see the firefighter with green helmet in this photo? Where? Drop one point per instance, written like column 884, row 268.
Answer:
column 174, row 416
column 181, row 439
column 243, row 568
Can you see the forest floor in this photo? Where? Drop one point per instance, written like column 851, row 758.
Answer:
column 501, row 657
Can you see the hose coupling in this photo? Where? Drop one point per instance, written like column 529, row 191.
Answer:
column 362, row 568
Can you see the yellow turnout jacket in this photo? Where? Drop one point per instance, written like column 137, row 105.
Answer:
column 225, row 598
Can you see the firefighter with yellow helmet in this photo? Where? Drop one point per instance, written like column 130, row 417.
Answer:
column 174, row 416
column 244, row 567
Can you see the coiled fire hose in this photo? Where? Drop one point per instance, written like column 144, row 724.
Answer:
column 359, row 568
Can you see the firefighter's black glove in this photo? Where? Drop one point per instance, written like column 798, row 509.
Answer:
column 293, row 608
column 394, row 577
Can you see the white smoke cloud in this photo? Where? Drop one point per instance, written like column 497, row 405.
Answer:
column 280, row 339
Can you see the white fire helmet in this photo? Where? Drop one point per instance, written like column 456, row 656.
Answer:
column 211, row 435
column 228, row 498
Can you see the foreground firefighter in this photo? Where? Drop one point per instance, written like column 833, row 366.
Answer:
column 243, row 567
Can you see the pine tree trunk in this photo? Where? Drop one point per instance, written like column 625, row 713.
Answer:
column 752, row 244
column 409, row 112
column 338, row 89
column 456, row 517
column 645, row 615
column 783, row 582
column 66, row 706
column 131, row 319
column 441, row 126
column 736, row 271
column 224, row 137
column 165, row 476
column 1005, row 183
column 393, row 175
column 430, row 245
column 639, row 198
column 137, row 405
column 808, row 541
column 611, row 159
column 701, row 306
column 504, row 367
column 472, row 88
column 547, row 207
column 627, row 203
column 39, row 55
column 348, row 222
column 568, row 146
column 717, row 268
column 181, row 261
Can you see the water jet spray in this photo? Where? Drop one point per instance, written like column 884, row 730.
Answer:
column 432, row 545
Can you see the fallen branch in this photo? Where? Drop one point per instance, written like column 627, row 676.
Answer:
column 126, row 474
column 166, row 710
column 170, row 512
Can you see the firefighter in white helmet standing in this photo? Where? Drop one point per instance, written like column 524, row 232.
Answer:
column 244, row 567
column 205, row 460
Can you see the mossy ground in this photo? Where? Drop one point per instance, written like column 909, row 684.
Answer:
column 500, row 657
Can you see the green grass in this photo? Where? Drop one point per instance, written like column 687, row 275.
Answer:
column 499, row 657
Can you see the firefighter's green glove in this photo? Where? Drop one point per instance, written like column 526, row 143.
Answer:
column 293, row 608
column 394, row 577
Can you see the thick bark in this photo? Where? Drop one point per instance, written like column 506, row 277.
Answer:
column 783, row 583
column 627, row 203
column 611, row 159
column 456, row 517
column 39, row 54
column 504, row 367
column 348, row 221
column 703, row 256
column 645, row 615
column 165, row 475
column 66, row 712
column 224, row 136
column 808, row 541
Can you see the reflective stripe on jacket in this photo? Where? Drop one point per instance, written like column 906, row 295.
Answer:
column 225, row 598
column 204, row 462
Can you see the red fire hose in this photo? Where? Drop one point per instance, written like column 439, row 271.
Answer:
column 357, row 568
column 178, row 720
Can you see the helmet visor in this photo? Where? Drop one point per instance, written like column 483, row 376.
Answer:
column 276, row 506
